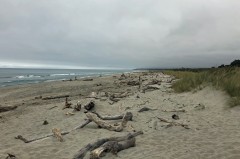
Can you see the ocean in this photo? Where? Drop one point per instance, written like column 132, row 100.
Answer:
column 19, row 76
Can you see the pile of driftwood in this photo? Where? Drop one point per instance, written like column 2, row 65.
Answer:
column 98, row 148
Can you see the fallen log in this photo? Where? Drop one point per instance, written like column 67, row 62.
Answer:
column 150, row 88
column 101, row 123
column 171, row 123
column 115, row 117
column 112, row 146
column 91, row 146
column 55, row 97
column 145, row 109
column 175, row 110
column 112, row 127
column 8, row 108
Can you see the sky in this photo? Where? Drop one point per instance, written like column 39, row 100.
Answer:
column 119, row 33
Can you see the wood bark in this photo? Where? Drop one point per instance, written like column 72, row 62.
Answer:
column 96, row 118
column 114, row 117
column 112, row 146
column 175, row 110
column 91, row 146
column 20, row 137
column 171, row 123
column 8, row 108
column 93, row 117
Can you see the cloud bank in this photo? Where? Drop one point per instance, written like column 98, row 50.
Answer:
column 119, row 33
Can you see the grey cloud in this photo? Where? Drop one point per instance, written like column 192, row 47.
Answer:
column 118, row 33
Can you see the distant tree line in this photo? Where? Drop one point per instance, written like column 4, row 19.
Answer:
column 235, row 63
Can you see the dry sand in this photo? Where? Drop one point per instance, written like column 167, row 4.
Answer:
column 214, row 128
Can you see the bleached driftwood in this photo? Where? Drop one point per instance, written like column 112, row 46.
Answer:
column 57, row 134
column 112, row 146
column 91, row 146
column 112, row 127
column 171, row 123
column 114, row 117
column 20, row 137
column 150, row 88
column 175, row 110
column 55, row 97
column 86, row 122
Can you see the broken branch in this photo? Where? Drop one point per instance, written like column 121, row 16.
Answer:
column 55, row 97
column 8, row 108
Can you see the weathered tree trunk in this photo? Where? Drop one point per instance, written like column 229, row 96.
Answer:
column 96, row 144
column 8, row 108
column 112, row 146
column 115, row 117
column 96, row 118
column 103, row 124
column 128, row 116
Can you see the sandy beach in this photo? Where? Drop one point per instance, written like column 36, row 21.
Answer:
column 211, row 129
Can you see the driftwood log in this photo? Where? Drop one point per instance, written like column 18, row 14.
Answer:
column 129, row 116
column 175, row 110
column 145, row 109
column 112, row 127
column 89, row 147
column 113, row 147
column 20, row 137
column 55, row 97
column 8, row 108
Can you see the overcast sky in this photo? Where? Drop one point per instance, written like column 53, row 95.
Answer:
column 119, row 33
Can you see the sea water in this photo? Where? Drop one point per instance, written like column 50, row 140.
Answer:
column 19, row 76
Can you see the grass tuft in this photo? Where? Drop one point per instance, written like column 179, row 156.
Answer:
column 227, row 79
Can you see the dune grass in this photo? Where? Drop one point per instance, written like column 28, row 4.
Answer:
column 227, row 79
